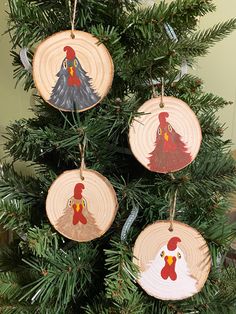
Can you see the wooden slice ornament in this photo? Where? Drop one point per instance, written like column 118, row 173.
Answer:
column 72, row 73
column 165, row 139
column 174, row 265
column 81, row 208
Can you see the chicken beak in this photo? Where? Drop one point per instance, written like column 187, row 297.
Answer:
column 77, row 207
column 166, row 137
column 170, row 260
column 71, row 71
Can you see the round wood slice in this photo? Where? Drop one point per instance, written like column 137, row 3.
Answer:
column 72, row 74
column 165, row 139
column 173, row 265
column 81, row 210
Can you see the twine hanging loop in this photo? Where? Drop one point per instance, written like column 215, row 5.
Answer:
column 172, row 210
column 73, row 18
column 82, row 157
column 162, row 92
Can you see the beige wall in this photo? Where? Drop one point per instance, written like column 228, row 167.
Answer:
column 218, row 71
column 218, row 68
column 13, row 102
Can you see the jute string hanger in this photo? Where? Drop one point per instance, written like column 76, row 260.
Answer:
column 155, row 94
column 72, row 16
column 172, row 210
column 82, row 148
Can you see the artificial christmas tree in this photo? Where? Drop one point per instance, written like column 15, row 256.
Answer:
column 45, row 272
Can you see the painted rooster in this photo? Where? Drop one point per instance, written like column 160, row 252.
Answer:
column 170, row 153
column 73, row 90
column 168, row 275
column 77, row 222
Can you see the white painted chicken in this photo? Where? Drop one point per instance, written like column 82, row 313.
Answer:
column 168, row 276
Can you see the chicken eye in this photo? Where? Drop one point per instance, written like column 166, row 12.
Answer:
column 70, row 203
column 159, row 130
column 75, row 63
column 169, row 127
column 162, row 254
column 65, row 64
column 179, row 255
column 83, row 203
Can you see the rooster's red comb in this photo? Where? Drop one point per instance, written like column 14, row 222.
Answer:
column 70, row 53
column 78, row 191
column 162, row 117
column 172, row 244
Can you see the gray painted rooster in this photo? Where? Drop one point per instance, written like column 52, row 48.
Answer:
column 73, row 90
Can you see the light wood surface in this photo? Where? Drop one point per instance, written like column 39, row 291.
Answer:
column 92, row 55
column 144, row 128
column 100, row 205
column 156, row 236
